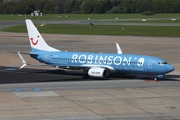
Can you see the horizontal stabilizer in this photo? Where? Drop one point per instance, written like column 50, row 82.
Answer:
column 25, row 63
column 27, row 53
column 22, row 60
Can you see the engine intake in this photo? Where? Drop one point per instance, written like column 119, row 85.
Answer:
column 98, row 72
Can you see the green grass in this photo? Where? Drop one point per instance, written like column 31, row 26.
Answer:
column 102, row 30
column 86, row 16
column 149, row 21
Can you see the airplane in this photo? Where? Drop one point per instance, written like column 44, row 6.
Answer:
column 95, row 65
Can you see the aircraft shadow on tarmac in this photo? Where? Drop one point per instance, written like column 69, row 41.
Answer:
column 14, row 75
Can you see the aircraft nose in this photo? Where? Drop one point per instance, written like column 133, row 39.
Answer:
column 169, row 68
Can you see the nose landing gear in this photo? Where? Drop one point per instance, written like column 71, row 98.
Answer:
column 158, row 77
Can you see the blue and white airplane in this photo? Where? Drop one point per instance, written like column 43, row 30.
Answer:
column 98, row 65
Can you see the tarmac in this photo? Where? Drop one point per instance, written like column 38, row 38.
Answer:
column 45, row 93
column 99, row 104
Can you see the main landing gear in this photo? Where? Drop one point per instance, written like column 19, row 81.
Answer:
column 85, row 76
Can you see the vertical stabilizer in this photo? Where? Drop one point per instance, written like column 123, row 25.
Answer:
column 36, row 40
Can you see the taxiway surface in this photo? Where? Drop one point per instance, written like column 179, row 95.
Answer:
column 48, row 93
column 7, row 23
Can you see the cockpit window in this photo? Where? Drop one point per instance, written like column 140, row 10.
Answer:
column 161, row 63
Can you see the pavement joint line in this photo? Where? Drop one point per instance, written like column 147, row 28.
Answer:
column 116, row 117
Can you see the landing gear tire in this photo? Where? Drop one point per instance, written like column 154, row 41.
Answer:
column 85, row 76
column 155, row 79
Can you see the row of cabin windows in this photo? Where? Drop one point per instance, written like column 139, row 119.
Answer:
column 96, row 60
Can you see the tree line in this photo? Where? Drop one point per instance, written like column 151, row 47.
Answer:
column 89, row 6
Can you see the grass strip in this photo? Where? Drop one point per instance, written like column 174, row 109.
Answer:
column 167, row 31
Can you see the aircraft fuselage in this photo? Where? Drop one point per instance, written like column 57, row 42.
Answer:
column 123, row 63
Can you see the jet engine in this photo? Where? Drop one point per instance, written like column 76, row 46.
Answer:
column 98, row 72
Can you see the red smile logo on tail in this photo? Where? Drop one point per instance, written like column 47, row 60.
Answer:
column 32, row 40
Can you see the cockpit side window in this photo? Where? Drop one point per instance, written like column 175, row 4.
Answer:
column 162, row 63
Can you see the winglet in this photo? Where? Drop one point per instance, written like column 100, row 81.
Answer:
column 23, row 61
column 119, row 51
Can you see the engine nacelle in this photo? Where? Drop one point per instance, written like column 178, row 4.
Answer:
column 98, row 72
